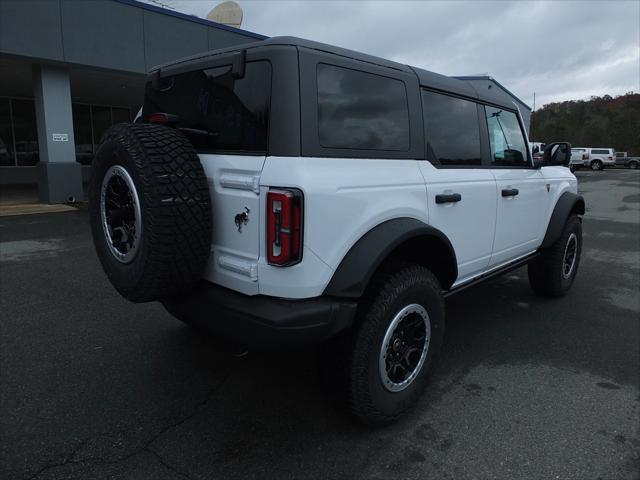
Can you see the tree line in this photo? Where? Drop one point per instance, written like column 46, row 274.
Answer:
column 598, row 122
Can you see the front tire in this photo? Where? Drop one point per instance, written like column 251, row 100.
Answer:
column 553, row 273
column 633, row 164
column 389, row 356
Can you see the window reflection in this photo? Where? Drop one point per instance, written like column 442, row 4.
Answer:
column 217, row 112
column 507, row 142
column 361, row 110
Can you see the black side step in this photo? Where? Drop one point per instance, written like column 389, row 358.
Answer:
column 507, row 268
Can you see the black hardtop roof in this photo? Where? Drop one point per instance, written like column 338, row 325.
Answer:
column 426, row 78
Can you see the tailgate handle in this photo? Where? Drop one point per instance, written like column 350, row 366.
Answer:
column 448, row 198
column 510, row 192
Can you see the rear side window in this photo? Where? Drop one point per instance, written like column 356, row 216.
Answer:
column 508, row 147
column 600, row 152
column 218, row 113
column 452, row 132
column 359, row 110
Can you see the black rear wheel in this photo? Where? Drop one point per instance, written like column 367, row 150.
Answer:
column 390, row 353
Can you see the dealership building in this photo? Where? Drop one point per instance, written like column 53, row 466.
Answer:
column 70, row 69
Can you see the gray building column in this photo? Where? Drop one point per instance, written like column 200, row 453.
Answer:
column 59, row 175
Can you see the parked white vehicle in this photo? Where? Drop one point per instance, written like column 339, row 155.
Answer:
column 579, row 158
column 600, row 158
column 288, row 191
column 537, row 147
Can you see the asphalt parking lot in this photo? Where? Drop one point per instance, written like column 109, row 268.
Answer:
column 94, row 387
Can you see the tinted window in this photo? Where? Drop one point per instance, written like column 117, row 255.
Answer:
column 601, row 152
column 508, row 147
column 361, row 110
column 216, row 111
column 452, row 132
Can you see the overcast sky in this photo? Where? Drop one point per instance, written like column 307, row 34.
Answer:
column 562, row 50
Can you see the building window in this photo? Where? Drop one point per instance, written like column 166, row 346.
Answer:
column 25, row 132
column 7, row 157
column 82, row 133
column 19, row 135
column 359, row 110
column 451, row 130
column 101, row 121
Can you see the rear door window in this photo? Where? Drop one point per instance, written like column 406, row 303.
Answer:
column 508, row 146
column 217, row 112
column 600, row 152
column 452, row 131
column 360, row 110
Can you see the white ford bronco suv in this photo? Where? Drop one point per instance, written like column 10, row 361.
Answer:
column 287, row 191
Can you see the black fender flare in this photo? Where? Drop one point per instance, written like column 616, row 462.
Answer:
column 568, row 203
column 367, row 254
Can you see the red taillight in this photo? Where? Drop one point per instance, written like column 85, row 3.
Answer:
column 162, row 118
column 284, row 227
column 585, row 156
column 610, row 157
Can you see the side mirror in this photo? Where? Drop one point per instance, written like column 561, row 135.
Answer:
column 557, row 153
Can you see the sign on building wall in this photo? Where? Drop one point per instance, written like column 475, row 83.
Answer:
column 60, row 137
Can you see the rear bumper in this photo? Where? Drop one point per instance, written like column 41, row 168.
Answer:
column 263, row 321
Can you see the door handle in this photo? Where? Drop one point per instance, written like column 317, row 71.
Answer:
column 448, row 198
column 510, row 192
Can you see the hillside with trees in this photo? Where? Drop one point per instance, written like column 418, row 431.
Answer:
column 599, row 122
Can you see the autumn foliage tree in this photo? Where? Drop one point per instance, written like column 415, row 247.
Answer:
column 598, row 122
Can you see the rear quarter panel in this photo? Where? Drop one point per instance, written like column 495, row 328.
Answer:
column 343, row 199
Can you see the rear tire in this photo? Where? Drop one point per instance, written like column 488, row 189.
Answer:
column 390, row 353
column 553, row 273
column 150, row 211
column 633, row 164
column 597, row 165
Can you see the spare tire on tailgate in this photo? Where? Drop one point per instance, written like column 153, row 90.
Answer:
column 150, row 211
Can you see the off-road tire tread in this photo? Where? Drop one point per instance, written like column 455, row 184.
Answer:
column 544, row 273
column 382, row 291
column 176, row 209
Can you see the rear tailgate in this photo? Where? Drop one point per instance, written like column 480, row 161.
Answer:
column 223, row 109
column 235, row 248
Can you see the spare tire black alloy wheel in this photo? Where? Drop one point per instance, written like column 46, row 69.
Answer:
column 150, row 211
column 120, row 213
